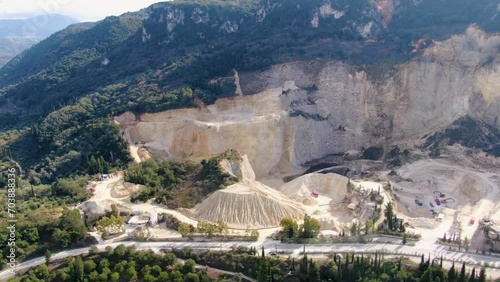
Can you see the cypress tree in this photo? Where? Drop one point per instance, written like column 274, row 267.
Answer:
column 452, row 274
column 263, row 253
column 263, row 271
column 482, row 275
column 313, row 272
column 304, row 269
column 462, row 277
column 389, row 213
column 472, row 277
column 427, row 276
column 270, row 273
column 339, row 272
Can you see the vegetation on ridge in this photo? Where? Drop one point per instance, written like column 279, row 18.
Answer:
column 180, row 185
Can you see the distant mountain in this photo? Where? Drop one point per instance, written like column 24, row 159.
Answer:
column 10, row 47
column 39, row 26
column 16, row 35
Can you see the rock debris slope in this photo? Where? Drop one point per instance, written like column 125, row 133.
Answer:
column 248, row 202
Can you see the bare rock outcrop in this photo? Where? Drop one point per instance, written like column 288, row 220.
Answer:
column 304, row 111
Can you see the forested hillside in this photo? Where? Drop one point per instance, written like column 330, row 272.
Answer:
column 163, row 57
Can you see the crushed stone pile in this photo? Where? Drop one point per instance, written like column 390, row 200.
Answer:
column 330, row 185
column 248, row 202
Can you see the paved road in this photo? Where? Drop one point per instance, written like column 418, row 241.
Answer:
column 292, row 249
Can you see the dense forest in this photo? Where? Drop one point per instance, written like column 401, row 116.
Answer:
column 128, row 264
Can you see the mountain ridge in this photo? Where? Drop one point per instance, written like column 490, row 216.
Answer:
column 17, row 35
column 170, row 54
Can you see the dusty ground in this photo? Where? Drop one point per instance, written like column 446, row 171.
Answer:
column 469, row 193
column 470, row 190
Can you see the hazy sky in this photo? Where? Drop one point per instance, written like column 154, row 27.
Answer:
column 82, row 10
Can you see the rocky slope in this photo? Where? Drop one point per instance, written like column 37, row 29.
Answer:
column 333, row 76
column 306, row 110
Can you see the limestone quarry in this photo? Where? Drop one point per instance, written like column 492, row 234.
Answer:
column 286, row 117
column 247, row 203
column 303, row 111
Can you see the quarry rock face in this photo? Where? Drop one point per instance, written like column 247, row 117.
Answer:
column 305, row 110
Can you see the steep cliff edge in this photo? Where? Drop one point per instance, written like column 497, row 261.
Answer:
column 306, row 110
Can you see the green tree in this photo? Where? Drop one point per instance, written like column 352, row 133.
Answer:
column 206, row 228
column 61, row 238
column 48, row 255
column 472, row 277
column 303, row 271
column 77, row 269
column 354, row 229
column 188, row 266
column 313, row 272
column 482, row 275
column 130, row 274
column 176, row 276
column 114, row 277
column 71, row 222
column 461, row 277
column 389, row 215
column 184, row 229
column 111, row 223
column 89, row 266
column 452, row 274
column 290, row 227
column 310, row 228
column 263, row 271
column 368, row 226
column 191, row 277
